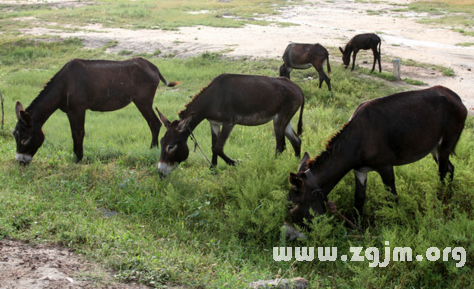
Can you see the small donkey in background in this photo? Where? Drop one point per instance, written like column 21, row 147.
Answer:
column 361, row 41
column 303, row 56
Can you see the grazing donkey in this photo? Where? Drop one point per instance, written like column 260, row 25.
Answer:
column 98, row 85
column 382, row 133
column 361, row 41
column 231, row 99
column 303, row 56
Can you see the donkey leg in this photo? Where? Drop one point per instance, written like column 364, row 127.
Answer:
column 322, row 75
column 328, row 82
column 215, row 131
column 218, row 149
column 294, row 139
column 380, row 65
column 388, row 178
column 374, row 51
column 354, row 54
column 153, row 122
column 361, row 185
column 450, row 170
column 279, row 126
column 76, row 121
column 443, row 150
column 445, row 167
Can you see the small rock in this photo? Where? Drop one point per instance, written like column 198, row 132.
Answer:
column 295, row 283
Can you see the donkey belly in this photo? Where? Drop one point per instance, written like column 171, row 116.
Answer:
column 252, row 120
column 301, row 65
column 111, row 100
column 414, row 152
column 411, row 158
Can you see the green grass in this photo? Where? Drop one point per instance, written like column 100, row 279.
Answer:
column 414, row 81
column 465, row 44
column 205, row 228
column 216, row 229
column 459, row 15
column 163, row 14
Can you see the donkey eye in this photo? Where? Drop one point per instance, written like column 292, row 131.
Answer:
column 25, row 141
column 170, row 148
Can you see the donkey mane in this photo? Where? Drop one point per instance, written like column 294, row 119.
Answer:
column 195, row 97
column 46, row 89
column 330, row 146
column 348, row 48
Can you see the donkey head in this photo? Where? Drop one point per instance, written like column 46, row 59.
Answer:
column 28, row 136
column 174, row 146
column 346, row 56
column 302, row 195
column 284, row 72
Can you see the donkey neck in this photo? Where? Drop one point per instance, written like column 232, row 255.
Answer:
column 349, row 48
column 340, row 157
column 195, row 121
column 199, row 108
column 46, row 103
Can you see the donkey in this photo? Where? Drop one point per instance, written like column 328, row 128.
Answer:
column 382, row 133
column 231, row 99
column 361, row 41
column 98, row 85
column 303, row 56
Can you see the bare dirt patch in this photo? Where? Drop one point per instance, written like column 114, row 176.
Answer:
column 32, row 266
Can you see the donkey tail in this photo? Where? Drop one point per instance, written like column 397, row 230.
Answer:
column 169, row 84
column 328, row 66
column 300, row 120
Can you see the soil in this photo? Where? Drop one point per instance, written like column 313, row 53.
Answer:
column 34, row 266
column 330, row 23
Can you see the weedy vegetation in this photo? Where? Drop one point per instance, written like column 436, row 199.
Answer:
column 202, row 228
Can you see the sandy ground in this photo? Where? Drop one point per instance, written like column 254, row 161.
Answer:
column 330, row 23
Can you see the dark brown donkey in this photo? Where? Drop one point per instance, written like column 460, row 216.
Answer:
column 361, row 41
column 382, row 133
column 303, row 56
column 232, row 99
column 98, row 85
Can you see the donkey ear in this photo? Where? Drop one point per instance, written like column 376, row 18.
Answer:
column 18, row 107
column 26, row 118
column 184, row 124
column 163, row 119
column 340, row 49
column 304, row 163
column 295, row 180
column 22, row 115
